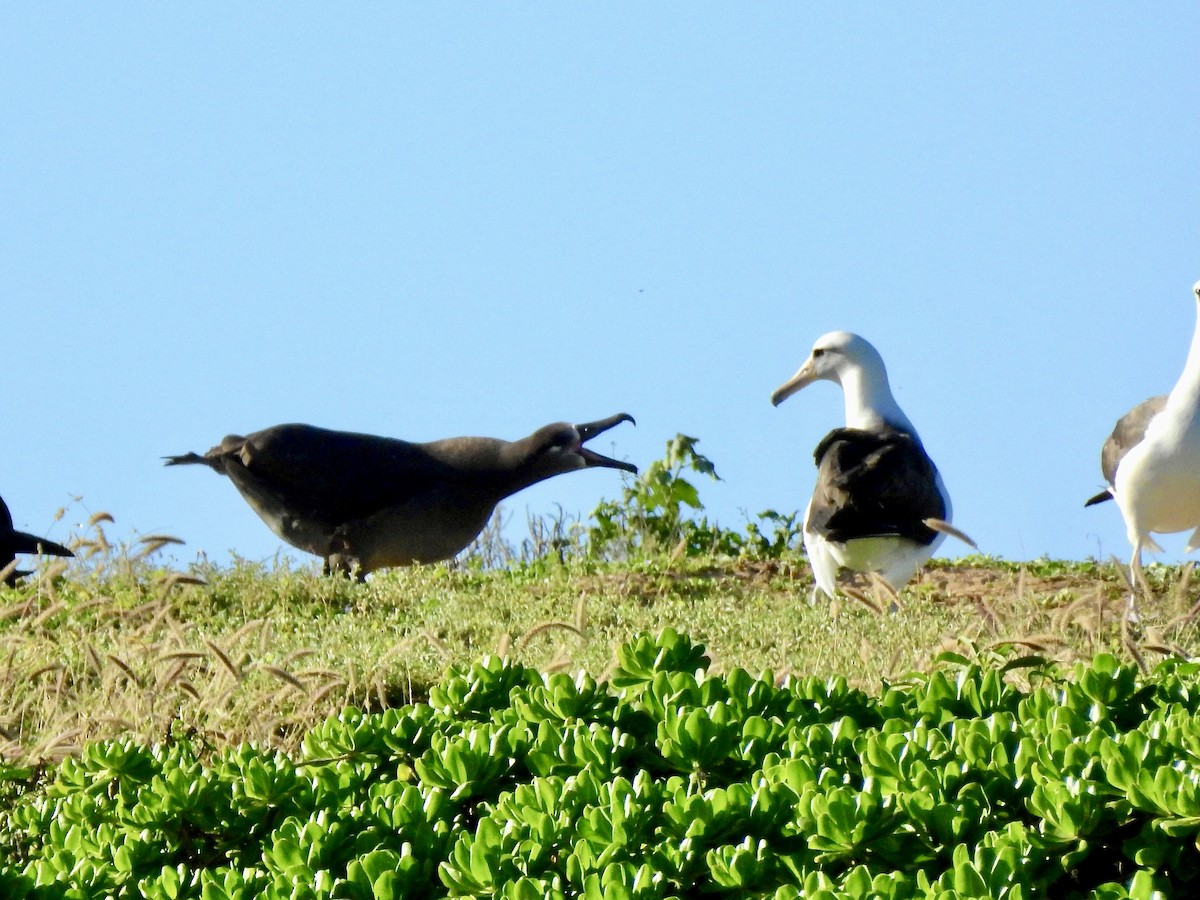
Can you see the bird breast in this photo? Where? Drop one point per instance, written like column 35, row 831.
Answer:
column 413, row 533
column 1158, row 484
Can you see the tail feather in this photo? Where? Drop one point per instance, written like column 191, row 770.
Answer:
column 9, row 573
column 187, row 459
column 941, row 525
column 31, row 543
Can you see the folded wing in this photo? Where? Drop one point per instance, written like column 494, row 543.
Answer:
column 874, row 484
column 333, row 476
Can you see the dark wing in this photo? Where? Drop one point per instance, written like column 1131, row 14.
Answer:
column 1129, row 430
column 335, row 476
column 14, row 542
column 874, row 484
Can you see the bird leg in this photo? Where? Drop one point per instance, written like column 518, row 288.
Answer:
column 346, row 566
column 883, row 590
column 1137, row 582
column 868, row 599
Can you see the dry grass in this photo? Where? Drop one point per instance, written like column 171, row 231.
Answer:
column 115, row 645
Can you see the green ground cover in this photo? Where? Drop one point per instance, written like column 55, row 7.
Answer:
column 665, row 781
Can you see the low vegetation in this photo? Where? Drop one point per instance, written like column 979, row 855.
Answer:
column 312, row 736
column 116, row 644
column 665, row 781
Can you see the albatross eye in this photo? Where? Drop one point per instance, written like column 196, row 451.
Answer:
column 818, row 352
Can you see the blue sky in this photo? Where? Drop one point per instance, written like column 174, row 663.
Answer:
column 432, row 220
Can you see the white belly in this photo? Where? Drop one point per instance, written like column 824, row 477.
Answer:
column 895, row 559
column 1157, row 487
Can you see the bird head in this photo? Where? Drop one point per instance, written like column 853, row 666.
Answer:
column 560, row 447
column 832, row 356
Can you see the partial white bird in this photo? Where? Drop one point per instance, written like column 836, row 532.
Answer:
column 1151, row 462
column 879, row 504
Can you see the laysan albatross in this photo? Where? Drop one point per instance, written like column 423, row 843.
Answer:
column 13, row 542
column 1151, row 462
column 362, row 502
column 879, row 505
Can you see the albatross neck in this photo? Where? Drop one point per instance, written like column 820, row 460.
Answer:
column 1185, row 396
column 869, row 401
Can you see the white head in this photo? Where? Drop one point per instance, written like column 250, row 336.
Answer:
column 832, row 357
column 853, row 363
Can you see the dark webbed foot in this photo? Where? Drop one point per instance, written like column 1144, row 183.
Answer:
column 345, row 566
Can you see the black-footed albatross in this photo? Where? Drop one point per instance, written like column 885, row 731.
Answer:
column 362, row 502
column 879, row 505
column 13, row 542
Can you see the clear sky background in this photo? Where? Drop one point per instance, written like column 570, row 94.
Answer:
column 431, row 220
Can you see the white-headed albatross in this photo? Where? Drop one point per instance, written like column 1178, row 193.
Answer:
column 1151, row 462
column 879, row 505
column 362, row 502
column 13, row 542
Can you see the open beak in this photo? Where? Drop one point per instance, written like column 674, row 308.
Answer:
column 802, row 379
column 589, row 430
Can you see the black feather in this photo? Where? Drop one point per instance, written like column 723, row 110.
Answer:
column 874, row 484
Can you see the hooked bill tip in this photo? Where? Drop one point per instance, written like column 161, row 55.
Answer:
column 589, row 430
column 779, row 395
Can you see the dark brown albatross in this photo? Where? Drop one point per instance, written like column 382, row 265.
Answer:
column 362, row 502
column 13, row 542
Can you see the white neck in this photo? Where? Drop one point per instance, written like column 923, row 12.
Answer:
column 869, row 401
column 1185, row 396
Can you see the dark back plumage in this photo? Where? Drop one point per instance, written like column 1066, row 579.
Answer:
column 874, row 484
column 365, row 501
column 334, row 476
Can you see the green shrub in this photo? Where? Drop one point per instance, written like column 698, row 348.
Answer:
column 667, row 781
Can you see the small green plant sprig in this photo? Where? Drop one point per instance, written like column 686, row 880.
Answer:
column 652, row 515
